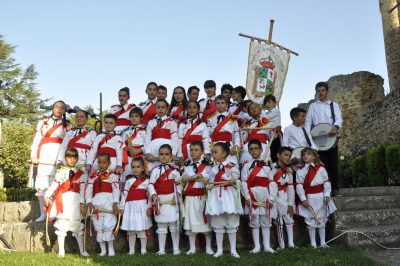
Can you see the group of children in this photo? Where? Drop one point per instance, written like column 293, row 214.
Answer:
column 187, row 164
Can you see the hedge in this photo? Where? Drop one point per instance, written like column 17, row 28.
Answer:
column 376, row 165
column 392, row 157
column 359, row 172
column 17, row 194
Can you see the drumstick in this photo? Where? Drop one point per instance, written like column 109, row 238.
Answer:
column 269, row 145
column 258, row 128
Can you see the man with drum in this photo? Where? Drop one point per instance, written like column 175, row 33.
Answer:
column 325, row 111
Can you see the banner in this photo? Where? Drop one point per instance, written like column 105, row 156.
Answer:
column 266, row 71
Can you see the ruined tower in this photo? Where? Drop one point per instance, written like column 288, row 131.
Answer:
column 391, row 34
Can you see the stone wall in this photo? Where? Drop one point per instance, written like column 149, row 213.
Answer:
column 369, row 117
column 391, row 34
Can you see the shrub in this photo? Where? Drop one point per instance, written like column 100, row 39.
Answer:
column 392, row 158
column 15, row 153
column 376, row 166
column 17, row 194
column 359, row 172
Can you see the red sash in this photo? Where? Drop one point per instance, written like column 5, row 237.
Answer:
column 48, row 139
column 218, row 178
column 177, row 113
column 190, row 190
column 161, row 133
column 256, row 181
column 189, row 138
column 208, row 111
column 125, row 151
column 73, row 143
column 163, row 185
column 112, row 152
column 123, row 111
column 134, row 193
column 237, row 111
column 101, row 187
column 277, row 176
column 221, row 136
column 66, row 187
column 149, row 114
column 312, row 171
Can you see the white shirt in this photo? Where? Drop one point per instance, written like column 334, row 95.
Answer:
column 320, row 112
column 274, row 116
column 293, row 137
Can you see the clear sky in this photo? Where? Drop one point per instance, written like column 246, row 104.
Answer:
column 81, row 48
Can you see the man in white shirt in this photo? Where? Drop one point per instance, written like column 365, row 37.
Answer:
column 326, row 111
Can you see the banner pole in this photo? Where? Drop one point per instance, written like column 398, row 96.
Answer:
column 271, row 28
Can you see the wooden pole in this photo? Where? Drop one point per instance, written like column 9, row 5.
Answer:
column 271, row 28
column 266, row 41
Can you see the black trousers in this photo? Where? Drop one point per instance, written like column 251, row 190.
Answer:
column 275, row 145
column 330, row 159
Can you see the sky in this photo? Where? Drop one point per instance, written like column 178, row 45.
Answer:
column 82, row 48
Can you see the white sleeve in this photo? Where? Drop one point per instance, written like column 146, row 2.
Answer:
column 309, row 117
column 299, row 187
column 115, row 190
column 206, row 140
column 119, row 146
column 273, row 191
column 236, row 135
column 338, row 115
column 124, row 194
column 180, row 137
column 36, row 140
column 311, row 140
column 63, row 148
column 82, row 187
column 327, row 183
column 244, row 188
column 174, row 138
column 153, row 179
column 147, row 140
column 290, row 191
column 285, row 141
column 93, row 151
column 89, row 190
column 56, row 183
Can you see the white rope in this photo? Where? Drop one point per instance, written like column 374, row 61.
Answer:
column 361, row 233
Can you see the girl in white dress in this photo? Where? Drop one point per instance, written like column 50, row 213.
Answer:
column 134, row 206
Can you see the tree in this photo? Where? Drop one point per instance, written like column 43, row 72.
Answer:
column 19, row 98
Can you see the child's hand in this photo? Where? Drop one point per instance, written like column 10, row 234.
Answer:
column 290, row 211
column 88, row 166
column 305, row 203
column 327, row 199
column 121, row 212
column 119, row 170
column 34, row 160
column 149, row 157
column 278, row 128
column 83, row 209
column 115, row 208
column 47, row 202
column 149, row 212
column 234, row 150
column 232, row 181
column 90, row 207
column 154, row 198
column 269, row 204
column 59, row 165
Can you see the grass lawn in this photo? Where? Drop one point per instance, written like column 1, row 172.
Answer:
column 337, row 255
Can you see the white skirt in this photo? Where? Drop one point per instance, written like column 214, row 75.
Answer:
column 316, row 203
column 223, row 200
column 169, row 213
column 194, row 215
column 135, row 216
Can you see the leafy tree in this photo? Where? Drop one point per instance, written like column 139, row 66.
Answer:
column 19, row 98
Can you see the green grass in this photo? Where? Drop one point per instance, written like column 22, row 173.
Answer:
column 337, row 255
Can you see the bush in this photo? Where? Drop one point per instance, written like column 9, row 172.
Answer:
column 15, row 153
column 392, row 158
column 345, row 175
column 377, row 174
column 359, row 172
column 17, row 194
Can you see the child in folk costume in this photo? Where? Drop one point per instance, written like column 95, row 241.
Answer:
column 314, row 190
column 160, row 130
column 282, row 174
column 121, row 110
column 47, row 140
column 227, row 90
column 133, row 137
column 107, row 142
column 274, row 116
column 257, row 120
column 260, row 192
column 149, row 106
column 102, row 198
column 134, row 206
column 65, row 199
column 193, row 93
column 177, row 109
column 162, row 92
column 238, row 95
column 166, row 200
column 207, row 105
column 223, row 200
column 193, row 129
column 80, row 138
column 195, row 218
column 223, row 127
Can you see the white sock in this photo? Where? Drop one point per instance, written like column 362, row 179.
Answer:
column 111, row 251
column 208, row 243
column 322, row 235
column 311, row 234
column 192, row 243
column 61, row 250
column 289, row 230
column 42, row 216
column 79, row 239
column 132, row 242
column 220, row 240
column 266, row 238
column 161, row 242
column 232, row 242
column 103, row 250
column 175, row 240
column 256, row 239
column 143, row 245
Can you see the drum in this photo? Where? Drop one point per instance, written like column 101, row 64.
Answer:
column 322, row 137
